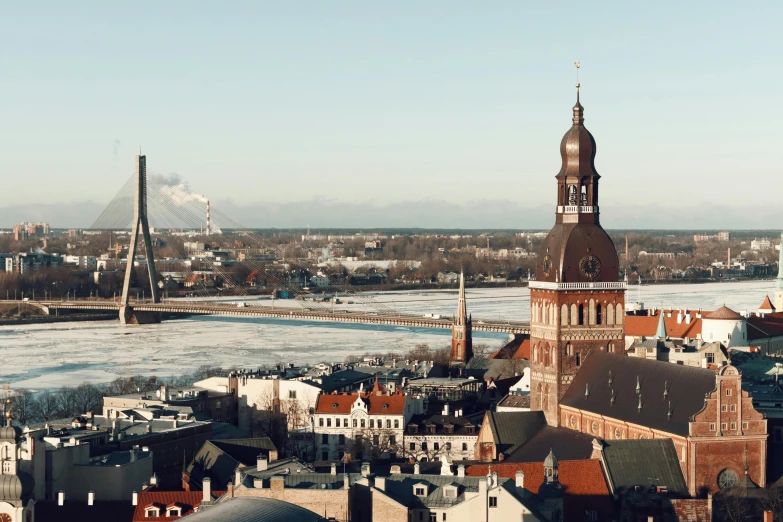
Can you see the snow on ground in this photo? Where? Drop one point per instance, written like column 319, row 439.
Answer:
column 53, row 355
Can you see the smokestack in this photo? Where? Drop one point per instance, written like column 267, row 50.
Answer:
column 626, row 248
column 729, row 263
column 209, row 222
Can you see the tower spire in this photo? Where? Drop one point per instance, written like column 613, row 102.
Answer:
column 779, row 289
column 579, row 111
column 461, row 328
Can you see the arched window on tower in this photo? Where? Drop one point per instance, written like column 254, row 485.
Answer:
column 598, row 314
column 545, row 401
column 581, row 312
column 540, row 396
column 583, row 200
column 578, row 359
column 564, row 315
column 572, row 195
column 574, row 315
column 618, row 320
column 592, row 312
column 459, row 351
column 610, row 314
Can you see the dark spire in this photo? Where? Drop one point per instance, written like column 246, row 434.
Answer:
column 579, row 111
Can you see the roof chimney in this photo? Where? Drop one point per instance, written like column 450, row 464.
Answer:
column 416, row 469
column 520, row 479
column 237, row 477
column 60, row 498
column 380, row 483
column 261, row 463
column 346, row 481
column 206, row 489
column 333, row 471
column 461, row 470
column 90, row 498
column 135, row 498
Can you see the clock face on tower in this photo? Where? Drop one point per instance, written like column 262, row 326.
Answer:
column 590, row 267
column 547, row 265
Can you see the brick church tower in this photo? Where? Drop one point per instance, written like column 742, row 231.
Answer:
column 577, row 301
column 461, row 328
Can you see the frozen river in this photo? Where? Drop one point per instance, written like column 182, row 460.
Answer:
column 52, row 355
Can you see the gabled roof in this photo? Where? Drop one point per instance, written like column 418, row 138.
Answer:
column 515, row 401
column 218, row 459
column 644, row 462
column 567, row 444
column 510, row 430
column 771, row 325
column 647, row 325
column 686, row 388
column 767, row 304
column 377, row 404
column 583, row 481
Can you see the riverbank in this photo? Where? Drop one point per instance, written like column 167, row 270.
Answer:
column 44, row 319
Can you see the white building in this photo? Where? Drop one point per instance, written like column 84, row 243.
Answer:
column 726, row 327
column 362, row 424
column 760, row 244
column 320, row 280
column 88, row 262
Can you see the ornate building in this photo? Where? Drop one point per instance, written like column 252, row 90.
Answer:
column 577, row 300
column 461, row 336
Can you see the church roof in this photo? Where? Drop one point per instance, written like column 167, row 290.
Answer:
column 644, row 462
column 670, row 393
column 724, row 313
column 767, row 304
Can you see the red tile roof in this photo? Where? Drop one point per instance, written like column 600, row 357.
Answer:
column 187, row 500
column 692, row 510
column 521, row 352
column 771, row 325
column 647, row 325
column 378, row 404
column 724, row 313
column 583, row 481
column 767, row 304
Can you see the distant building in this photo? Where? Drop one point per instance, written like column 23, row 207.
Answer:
column 760, row 244
column 29, row 230
column 31, row 262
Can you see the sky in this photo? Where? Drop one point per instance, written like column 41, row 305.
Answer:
column 458, row 105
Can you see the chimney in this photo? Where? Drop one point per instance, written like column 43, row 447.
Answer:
column 237, row 477
column 261, row 463
column 154, row 480
column 333, row 471
column 728, row 263
column 90, row 498
column 60, row 498
column 380, row 483
column 258, row 483
column 277, row 483
column 520, row 478
column 206, row 490
column 416, row 469
column 365, row 469
column 346, row 482
column 680, row 317
column 768, row 516
column 135, row 498
column 461, row 470
column 482, row 487
column 446, row 409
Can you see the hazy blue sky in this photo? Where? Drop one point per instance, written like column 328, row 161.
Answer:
column 392, row 101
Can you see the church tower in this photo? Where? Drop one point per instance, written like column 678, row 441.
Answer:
column 779, row 287
column 461, row 328
column 577, row 301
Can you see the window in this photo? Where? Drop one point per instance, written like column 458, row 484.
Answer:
column 324, row 439
column 320, row 421
column 421, row 516
column 345, row 423
column 578, row 359
column 433, row 517
column 151, row 512
column 396, row 423
column 325, row 455
column 728, row 392
column 436, row 446
column 363, row 423
column 424, row 446
column 744, row 425
column 448, row 446
column 592, row 515
column 469, row 430
column 493, row 502
column 412, row 446
column 444, row 516
column 354, row 423
column 733, row 425
column 328, row 423
column 723, row 426
column 723, row 408
column 174, row 512
column 372, row 423
column 733, row 407
column 419, row 491
column 712, row 426
column 464, row 446
column 388, row 423
column 292, row 394
column 710, row 358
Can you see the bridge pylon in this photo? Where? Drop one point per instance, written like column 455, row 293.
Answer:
column 127, row 313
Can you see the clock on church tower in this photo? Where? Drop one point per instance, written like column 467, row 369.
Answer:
column 577, row 301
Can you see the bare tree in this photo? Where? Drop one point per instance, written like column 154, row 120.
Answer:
column 22, row 406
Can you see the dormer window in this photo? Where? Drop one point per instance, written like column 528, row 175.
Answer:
column 449, row 428
column 450, row 492
column 174, row 510
column 152, row 510
column 469, row 429
column 430, row 428
column 420, row 490
column 412, row 428
column 385, row 406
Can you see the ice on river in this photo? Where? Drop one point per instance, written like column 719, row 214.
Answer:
column 52, row 355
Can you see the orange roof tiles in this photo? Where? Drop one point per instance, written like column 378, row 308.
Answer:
column 647, row 325
column 724, row 313
column 186, row 500
column 378, row 404
column 767, row 304
column 583, row 480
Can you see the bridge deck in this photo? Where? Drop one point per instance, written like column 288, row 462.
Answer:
column 341, row 316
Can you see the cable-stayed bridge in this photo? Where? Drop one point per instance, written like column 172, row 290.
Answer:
column 150, row 202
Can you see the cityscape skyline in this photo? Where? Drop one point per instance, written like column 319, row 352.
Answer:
column 330, row 108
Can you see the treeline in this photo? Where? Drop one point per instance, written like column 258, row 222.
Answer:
column 29, row 407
